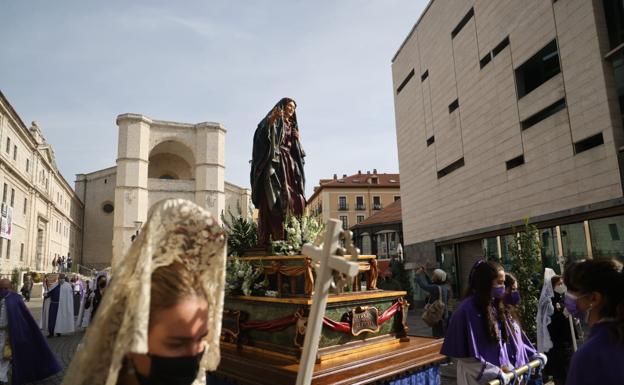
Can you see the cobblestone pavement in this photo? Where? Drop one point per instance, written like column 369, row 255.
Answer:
column 63, row 346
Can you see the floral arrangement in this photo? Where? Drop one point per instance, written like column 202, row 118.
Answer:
column 298, row 232
column 243, row 278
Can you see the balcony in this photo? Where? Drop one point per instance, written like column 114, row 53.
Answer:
column 377, row 206
column 343, row 207
column 360, row 207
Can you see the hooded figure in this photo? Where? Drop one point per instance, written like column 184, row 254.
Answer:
column 177, row 233
column 277, row 176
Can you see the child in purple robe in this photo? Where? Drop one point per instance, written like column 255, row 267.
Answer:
column 596, row 296
column 477, row 336
column 520, row 349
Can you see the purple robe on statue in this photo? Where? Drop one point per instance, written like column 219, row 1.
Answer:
column 600, row 360
column 32, row 358
column 519, row 349
column 468, row 338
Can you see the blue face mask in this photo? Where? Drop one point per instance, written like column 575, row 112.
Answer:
column 513, row 298
column 498, row 291
column 570, row 302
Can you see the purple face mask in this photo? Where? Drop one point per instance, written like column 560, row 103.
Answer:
column 513, row 298
column 570, row 304
column 498, row 292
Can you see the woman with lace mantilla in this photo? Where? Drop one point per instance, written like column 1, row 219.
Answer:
column 160, row 320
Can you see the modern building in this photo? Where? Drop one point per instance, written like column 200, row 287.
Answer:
column 508, row 110
column 381, row 233
column 41, row 215
column 156, row 160
column 352, row 199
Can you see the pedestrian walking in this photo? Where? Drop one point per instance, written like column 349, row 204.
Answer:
column 27, row 288
column 70, row 262
column 63, row 265
column 436, row 312
column 54, row 264
column 596, row 296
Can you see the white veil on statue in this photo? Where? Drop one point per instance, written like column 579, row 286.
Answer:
column 544, row 312
column 176, row 231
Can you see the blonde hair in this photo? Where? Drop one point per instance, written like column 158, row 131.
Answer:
column 172, row 284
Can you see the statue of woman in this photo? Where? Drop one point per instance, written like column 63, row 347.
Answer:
column 277, row 177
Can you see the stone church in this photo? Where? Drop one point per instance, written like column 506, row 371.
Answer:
column 155, row 160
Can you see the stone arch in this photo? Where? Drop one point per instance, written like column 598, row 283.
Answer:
column 171, row 159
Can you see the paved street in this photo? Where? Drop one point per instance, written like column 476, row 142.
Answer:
column 63, row 346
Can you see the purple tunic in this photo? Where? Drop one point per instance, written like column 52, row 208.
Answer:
column 467, row 337
column 519, row 348
column 600, row 360
column 32, row 358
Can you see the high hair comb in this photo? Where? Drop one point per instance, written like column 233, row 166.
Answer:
column 474, row 267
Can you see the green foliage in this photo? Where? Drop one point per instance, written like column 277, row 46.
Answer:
column 15, row 277
column 526, row 266
column 298, row 232
column 243, row 278
column 242, row 233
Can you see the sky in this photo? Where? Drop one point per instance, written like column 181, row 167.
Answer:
column 74, row 66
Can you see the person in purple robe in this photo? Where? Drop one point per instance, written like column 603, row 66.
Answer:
column 476, row 335
column 596, row 296
column 520, row 349
column 23, row 348
column 277, row 176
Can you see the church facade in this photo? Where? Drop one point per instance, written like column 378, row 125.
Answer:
column 156, row 160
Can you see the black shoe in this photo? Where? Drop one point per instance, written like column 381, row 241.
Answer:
column 58, row 334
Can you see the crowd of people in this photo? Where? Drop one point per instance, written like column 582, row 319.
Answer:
column 62, row 265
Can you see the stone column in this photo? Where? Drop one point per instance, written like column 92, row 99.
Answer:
column 210, row 168
column 131, row 193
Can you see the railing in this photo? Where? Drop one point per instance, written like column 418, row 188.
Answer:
column 377, row 206
column 360, row 207
column 521, row 370
column 83, row 270
column 344, row 207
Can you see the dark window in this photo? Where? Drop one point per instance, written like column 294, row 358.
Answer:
column 375, row 180
column 376, row 203
column 8, row 146
column 614, row 13
column 397, row 197
column 501, row 46
column 27, row 165
column 360, row 218
column 404, row 82
column 12, row 197
column 451, row 167
column 359, row 203
column 14, row 152
column 462, row 23
column 345, row 221
column 22, row 252
column 424, row 76
column 588, row 143
column 515, row 162
column 108, row 208
column 342, row 203
column 453, row 106
column 25, row 205
column 543, row 114
column 538, row 69
column 485, row 60
column 8, row 249
column 615, row 234
column 5, row 190
column 430, row 141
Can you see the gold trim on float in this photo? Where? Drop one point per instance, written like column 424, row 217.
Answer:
column 356, row 296
column 295, row 257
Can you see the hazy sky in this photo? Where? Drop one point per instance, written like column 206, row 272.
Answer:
column 73, row 66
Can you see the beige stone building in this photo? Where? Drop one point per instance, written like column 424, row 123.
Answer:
column 156, row 160
column 41, row 215
column 351, row 199
column 506, row 110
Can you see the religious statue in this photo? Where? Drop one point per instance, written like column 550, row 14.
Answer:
column 277, row 177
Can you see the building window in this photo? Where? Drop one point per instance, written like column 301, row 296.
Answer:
column 342, row 203
column 453, row 106
column 606, row 238
column 14, row 152
column 490, row 248
column 538, row 69
column 12, row 197
column 27, row 165
column 614, row 13
column 8, row 146
column 573, row 242
column 359, row 203
column 25, row 205
column 345, row 221
column 462, row 23
column 405, row 81
column 431, row 140
column 375, row 180
column 4, row 193
column 108, row 207
column 360, row 218
column 515, row 162
column 376, row 203
column 22, row 252
column 588, row 143
column 424, row 76
column 8, row 249
column 543, row 114
column 451, row 167
column 397, row 197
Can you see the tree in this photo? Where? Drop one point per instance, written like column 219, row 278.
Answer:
column 526, row 266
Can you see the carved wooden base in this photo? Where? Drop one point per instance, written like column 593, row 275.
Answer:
column 380, row 362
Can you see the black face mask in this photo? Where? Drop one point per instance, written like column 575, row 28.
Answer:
column 171, row 370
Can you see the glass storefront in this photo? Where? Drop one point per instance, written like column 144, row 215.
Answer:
column 550, row 248
column 607, row 237
column 506, row 241
column 573, row 242
column 490, row 248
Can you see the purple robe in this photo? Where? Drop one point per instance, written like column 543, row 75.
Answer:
column 467, row 337
column 54, row 295
column 519, row 349
column 600, row 360
column 32, row 358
